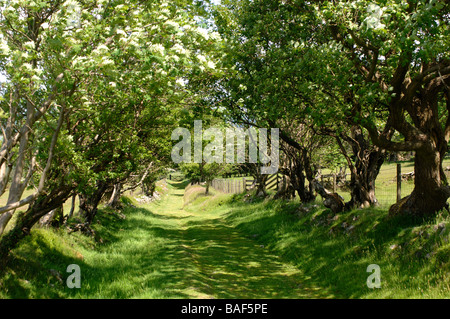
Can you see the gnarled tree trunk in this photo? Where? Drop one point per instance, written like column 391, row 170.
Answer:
column 365, row 169
column 115, row 196
column 431, row 191
column 331, row 200
column 89, row 202
column 299, row 170
column 25, row 221
column 429, row 194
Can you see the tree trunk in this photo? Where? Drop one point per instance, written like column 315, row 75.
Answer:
column 429, row 195
column 331, row 200
column 25, row 221
column 261, row 185
column 430, row 192
column 72, row 207
column 285, row 191
column 207, row 187
column 368, row 161
column 89, row 203
column 362, row 183
column 115, row 196
column 298, row 180
column 310, row 175
column 17, row 184
column 299, row 159
column 54, row 218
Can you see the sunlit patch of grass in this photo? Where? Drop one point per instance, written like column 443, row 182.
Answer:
column 335, row 250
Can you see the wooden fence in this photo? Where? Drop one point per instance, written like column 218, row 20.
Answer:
column 240, row 185
column 388, row 190
column 233, row 186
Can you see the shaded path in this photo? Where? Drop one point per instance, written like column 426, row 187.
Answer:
column 216, row 261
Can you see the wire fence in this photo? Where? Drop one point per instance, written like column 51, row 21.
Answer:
column 394, row 181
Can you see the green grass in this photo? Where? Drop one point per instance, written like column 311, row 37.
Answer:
column 188, row 245
column 413, row 256
column 128, row 258
column 161, row 250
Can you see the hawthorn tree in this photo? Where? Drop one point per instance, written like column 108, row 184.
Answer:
column 112, row 79
column 277, row 79
column 377, row 69
column 397, row 53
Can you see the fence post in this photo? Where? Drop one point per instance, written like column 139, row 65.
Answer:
column 244, row 183
column 399, row 182
column 334, row 183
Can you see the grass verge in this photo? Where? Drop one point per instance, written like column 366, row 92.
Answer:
column 336, row 250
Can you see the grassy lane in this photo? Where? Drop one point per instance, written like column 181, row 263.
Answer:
column 188, row 245
column 216, row 261
column 160, row 250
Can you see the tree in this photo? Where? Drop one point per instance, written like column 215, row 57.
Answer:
column 33, row 87
column 379, row 67
column 208, row 172
column 112, row 86
column 398, row 55
column 277, row 73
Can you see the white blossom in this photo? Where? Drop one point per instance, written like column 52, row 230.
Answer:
column 101, row 49
column 373, row 21
column 29, row 45
column 203, row 33
column 27, row 67
column 215, row 36
column 179, row 49
column 201, row 58
column 4, row 48
column 35, row 78
column 121, row 32
column 172, row 24
column 157, row 48
column 106, row 61
column 180, row 82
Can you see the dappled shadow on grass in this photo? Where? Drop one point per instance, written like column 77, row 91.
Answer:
column 326, row 249
column 159, row 254
column 232, row 266
column 141, row 263
column 133, row 261
column 196, row 259
column 36, row 269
